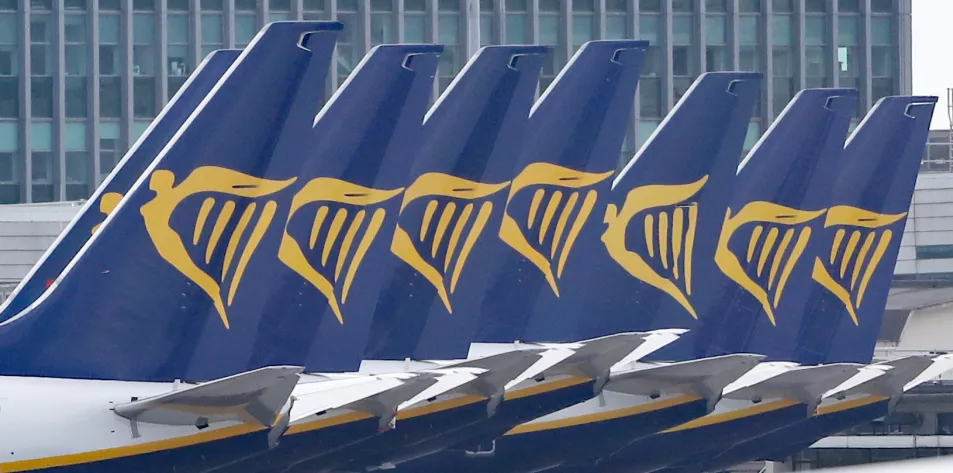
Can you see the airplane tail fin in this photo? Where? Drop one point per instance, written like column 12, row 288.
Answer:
column 755, row 292
column 317, row 300
column 857, row 247
column 118, row 183
column 650, row 249
column 148, row 285
column 455, row 192
column 571, row 149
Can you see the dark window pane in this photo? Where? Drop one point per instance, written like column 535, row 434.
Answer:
column 144, row 97
column 680, row 85
column 41, row 4
column 110, row 4
column 784, row 90
column 41, row 96
column 212, row 4
column 8, row 5
column 40, row 62
column 144, row 4
column 650, row 97
column 174, row 84
column 9, row 97
column 616, row 6
column 850, row 6
column 650, row 5
column 110, row 97
column 881, row 6
column 815, row 6
column 76, row 97
column 749, row 6
column 683, row 5
column 318, row 4
column 783, row 6
column 716, row 5
column 716, row 58
column 77, row 175
column 283, row 5
column 246, row 5
column 178, row 4
column 881, row 87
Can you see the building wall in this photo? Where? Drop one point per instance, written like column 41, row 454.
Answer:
column 81, row 79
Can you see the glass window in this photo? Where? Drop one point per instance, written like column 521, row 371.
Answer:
column 74, row 28
column 881, row 30
column 42, row 167
column 212, row 29
column 109, row 28
column 415, row 29
column 749, row 30
column 716, row 5
column 784, row 62
column 178, row 26
column 178, row 4
column 144, row 29
column 41, row 96
column 75, row 136
column 245, row 29
column 516, row 28
column 881, row 6
column 650, row 28
column 749, row 6
column 421, row 5
column 716, row 29
column 178, row 60
column 849, row 60
column 782, row 30
column 683, row 61
column 75, row 59
column 881, row 61
column 616, row 6
column 41, row 60
column 616, row 27
column 9, row 97
column 645, row 130
column 852, row 6
column 783, row 6
column 583, row 29
column 848, row 30
column 246, row 5
column 748, row 58
column 716, row 58
column 8, row 28
column 212, row 4
column 40, row 29
column 784, row 90
column 815, row 6
column 650, row 97
column 754, row 133
column 77, row 175
column 76, row 97
column 816, row 61
column 9, row 136
column 41, row 136
column 815, row 30
column 650, row 6
column 279, row 4
column 383, row 29
column 139, row 127
column 110, row 4
column 144, row 97
column 686, row 6
column 682, row 30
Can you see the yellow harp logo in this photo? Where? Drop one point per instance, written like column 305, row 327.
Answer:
column 456, row 221
column 224, row 184
column 343, row 227
column 107, row 203
column 547, row 232
column 669, row 236
column 777, row 236
column 859, row 243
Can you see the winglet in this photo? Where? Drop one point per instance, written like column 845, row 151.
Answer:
column 254, row 397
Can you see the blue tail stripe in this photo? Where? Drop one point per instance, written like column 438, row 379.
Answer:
column 123, row 310
column 117, row 184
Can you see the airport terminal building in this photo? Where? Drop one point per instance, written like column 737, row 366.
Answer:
column 81, row 79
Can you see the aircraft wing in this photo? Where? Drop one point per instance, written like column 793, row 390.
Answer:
column 321, row 396
column 805, row 384
column 253, row 397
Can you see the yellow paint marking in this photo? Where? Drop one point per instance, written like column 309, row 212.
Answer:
column 712, row 419
column 316, row 226
column 220, row 223
column 561, row 223
column 456, row 233
column 534, row 207
column 348, row 241
column 236, row 238
column 630, row 411
column 336, row 224
column 545, row 387
column 442, row 225
column 439, row 406
column 428, row 217
column 548, row 214
column 779, row 255
column 207, row 205
column 859, row 262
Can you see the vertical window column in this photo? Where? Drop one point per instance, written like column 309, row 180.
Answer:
column 77, row 171
column 383, row 22
column 850, row 57
column 42, row 165
column 517, row 29
column 279, row 10
column 784, row 55
column 817, row 44
column 213, row 36
column 550, row 34
column 9, row 65
column 883, row 51
column 144, row 65
column 110, row 64
column 9, row 163
column 348, row 50
column 684, row 57
column 617, row 20
column 415, row 21
column 313, row 10
column 717, row 52
column 109, row 148
column 488, row 30
column 74, row 32
column 651, row 100
column 178, row 60
column 448, row 34
column 246, row 22
column 41, row 64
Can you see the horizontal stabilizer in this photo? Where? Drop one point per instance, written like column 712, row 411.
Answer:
column 941, row 364
column 254, row 397
column 447, row 381
column 384, row 404
column 706, row 377
column 313, row 398
column 593, row 358
column 501, row 369
column 805, row 384
column 654, row 340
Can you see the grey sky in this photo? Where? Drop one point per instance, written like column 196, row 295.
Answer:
column 933, row 53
